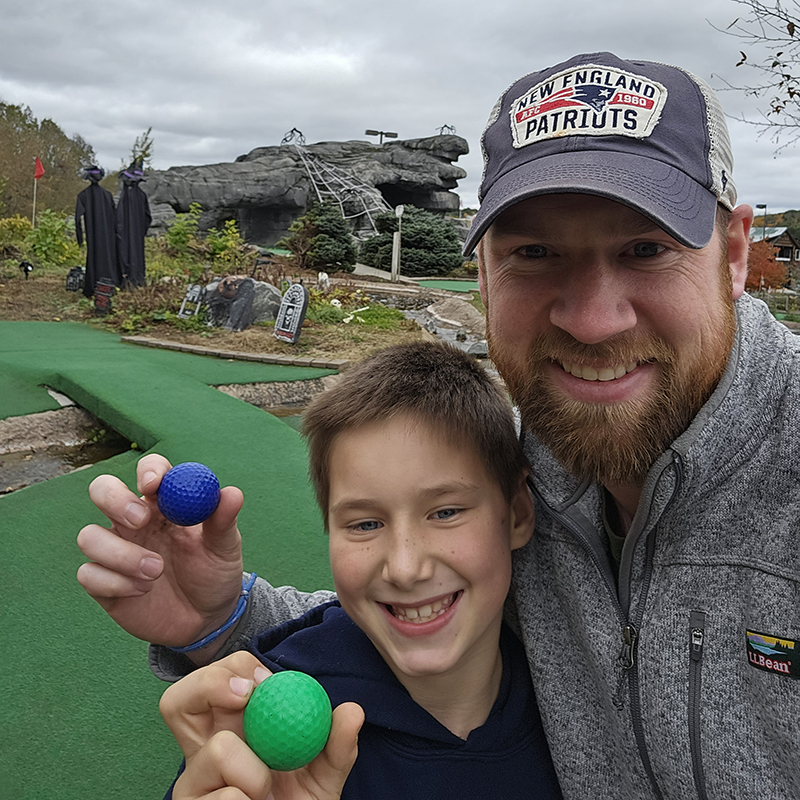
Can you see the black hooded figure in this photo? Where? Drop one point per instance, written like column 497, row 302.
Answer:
column 94, row 211
column 133, row 220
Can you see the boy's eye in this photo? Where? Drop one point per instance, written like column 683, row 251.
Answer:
column 445, row 513
column 367, row 525
column 647, row 249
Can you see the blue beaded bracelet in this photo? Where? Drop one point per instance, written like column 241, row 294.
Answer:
column 247, row 585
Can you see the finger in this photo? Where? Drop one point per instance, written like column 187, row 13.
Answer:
column 118, row 555
column 105, row 585
column 208, row 700
column 118, row 502
column 209, row 687
column 330, row 769
column 220, row 531
column 342, row 747
column 149, row 471
column 224, row 761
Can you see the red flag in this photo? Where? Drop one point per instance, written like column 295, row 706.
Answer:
column 38, row 170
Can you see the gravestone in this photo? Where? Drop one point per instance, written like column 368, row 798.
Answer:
column 194, row 294
column 103, row 292
column 75, row 278
column 291, row 314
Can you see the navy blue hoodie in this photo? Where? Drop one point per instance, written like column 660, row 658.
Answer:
column 402, row 750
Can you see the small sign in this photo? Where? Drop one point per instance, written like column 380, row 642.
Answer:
column 103, row 292
column 75, row 279
column 194, row 294
column 291, row 314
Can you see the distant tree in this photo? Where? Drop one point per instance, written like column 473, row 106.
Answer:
column 764, row 272
column 791, row 219
column 321, row 238
column 143, row 148
column 769, row 33
column 429, row 244
column 22, row 139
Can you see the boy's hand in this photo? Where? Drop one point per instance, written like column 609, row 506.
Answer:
column 161, row 582
column 204, row 711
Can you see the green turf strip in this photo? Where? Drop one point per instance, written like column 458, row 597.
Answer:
column 451, row 286
column 80, row 716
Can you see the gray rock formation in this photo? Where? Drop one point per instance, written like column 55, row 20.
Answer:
column 236, row 302
column 267, row 189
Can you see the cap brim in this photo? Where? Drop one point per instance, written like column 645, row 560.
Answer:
column 683, row 208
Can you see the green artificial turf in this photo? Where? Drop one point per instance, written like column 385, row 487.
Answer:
column 451, row 286
column 79, row 705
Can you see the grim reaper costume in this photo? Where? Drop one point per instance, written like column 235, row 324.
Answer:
column 133, row 220
column 94, row 217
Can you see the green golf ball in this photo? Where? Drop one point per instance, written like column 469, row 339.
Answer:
column 287, row 720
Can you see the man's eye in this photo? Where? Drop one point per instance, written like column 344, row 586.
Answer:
column 445, row 513
column 534, row 251
column 647, row 249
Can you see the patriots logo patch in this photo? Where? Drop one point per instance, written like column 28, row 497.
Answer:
column 588, row 100
column 772, row 654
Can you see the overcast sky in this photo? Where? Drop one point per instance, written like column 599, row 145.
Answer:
column 216, row 79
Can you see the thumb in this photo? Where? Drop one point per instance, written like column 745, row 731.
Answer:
column 220, row 531
column 331, row 768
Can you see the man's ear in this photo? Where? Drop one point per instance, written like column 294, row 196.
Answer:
column 482, row 276
column 522, row 515
column 739, row 246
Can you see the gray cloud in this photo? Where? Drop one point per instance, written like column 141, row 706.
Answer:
column 215, row 80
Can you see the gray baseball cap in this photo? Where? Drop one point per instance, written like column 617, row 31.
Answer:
column 645, row 134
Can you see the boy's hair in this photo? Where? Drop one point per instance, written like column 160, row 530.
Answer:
column 432, row 383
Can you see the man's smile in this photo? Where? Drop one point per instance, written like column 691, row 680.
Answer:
column 589, row 373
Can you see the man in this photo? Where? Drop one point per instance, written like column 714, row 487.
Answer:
column 658, row 597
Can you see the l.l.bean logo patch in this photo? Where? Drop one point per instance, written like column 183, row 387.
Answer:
column 773, row 654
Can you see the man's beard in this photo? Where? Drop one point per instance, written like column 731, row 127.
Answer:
column 616, row 443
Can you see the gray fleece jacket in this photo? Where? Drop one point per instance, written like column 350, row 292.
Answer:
column 681, row 681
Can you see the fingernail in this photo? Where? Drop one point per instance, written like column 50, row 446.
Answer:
column 134, row 514
column 148, row 478
column 241, row 686
column 150, row 567
column 260, row 674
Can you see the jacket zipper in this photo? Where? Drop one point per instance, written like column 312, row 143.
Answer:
column 628, row 663
column 627, row 657
column 697, row 621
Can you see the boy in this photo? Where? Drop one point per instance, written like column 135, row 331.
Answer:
column 421, row 480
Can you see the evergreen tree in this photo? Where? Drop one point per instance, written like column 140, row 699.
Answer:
column 321, row 238
column 429, row 244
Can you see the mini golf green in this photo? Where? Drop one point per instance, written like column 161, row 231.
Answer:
column 451, row 286
column 79, row 703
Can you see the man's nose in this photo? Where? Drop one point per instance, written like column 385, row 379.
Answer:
column 407, row 560
column 593, row 303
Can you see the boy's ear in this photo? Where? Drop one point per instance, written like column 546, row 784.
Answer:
column 522, row 516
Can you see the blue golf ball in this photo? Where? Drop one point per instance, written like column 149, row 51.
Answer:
column 188, row 494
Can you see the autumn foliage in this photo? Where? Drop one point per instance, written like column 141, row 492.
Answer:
column 764, row 272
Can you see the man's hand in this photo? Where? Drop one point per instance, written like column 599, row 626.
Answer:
column 204, row 711
column 161, row 582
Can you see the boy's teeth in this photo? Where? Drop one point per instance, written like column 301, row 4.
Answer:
column 424, row 613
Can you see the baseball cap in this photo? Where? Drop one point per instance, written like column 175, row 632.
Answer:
column 649, row 135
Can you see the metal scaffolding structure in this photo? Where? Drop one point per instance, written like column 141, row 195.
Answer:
column 357, row 201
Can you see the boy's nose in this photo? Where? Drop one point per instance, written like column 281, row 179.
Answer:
column 406, row 561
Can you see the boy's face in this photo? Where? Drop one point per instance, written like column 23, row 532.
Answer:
column 420, row 545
